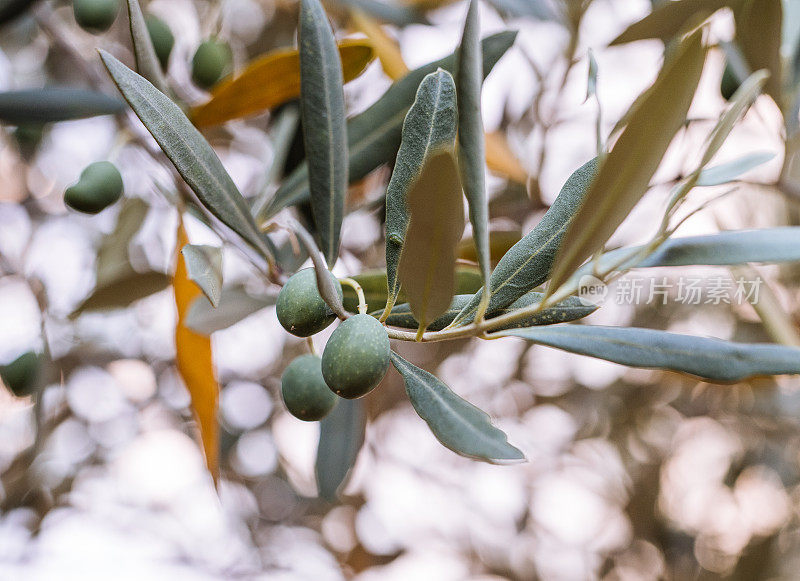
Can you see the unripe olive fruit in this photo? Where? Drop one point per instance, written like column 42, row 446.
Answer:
column 300, row 308
column 99, row 186
column 95, row 15
column 356, row 357
column 729, row 83
column 161, row 37
column 211, row 61
column 304, row 390
column 20, row 375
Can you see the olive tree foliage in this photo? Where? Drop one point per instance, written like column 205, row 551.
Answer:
column 427, row 128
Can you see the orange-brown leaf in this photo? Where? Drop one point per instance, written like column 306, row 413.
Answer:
column 501, row 160
column 386, row 48
column 271, row 80
column 195, row 364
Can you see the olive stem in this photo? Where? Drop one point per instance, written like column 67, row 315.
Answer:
column 362, row 302
column 486, row 326
column 310, row 344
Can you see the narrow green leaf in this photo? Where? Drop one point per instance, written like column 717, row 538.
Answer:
column 625, row 172
column 123, row 291
column 113, row 256
column 758, row 35
column 391, row 12
column 341, row 435
column 767, row 245
column 707, row 358
column 730, row 248
column 455, row 422
column 429, row 126
column 147, row 62
column 591, row 81
column 528, row 263
column 188, row 150
column 235, row 305
column 52, row 104
column 739, row 103
column 373, row 136
column 204, row 268
column 538, row 9
column 570, row 309
column 428, row 260
column 324, row 125
column 669, row 18
column 471, row 144
column 729, row 171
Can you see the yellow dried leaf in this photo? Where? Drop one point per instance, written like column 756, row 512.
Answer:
column 195, row 364
column 386, row 48
column 428, row 4
column 270, row 81
column 501, row 160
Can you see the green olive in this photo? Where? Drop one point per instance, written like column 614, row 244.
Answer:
column 356, row 357
column 21, row 374
column 99, row 186
column 211, row 61
column 95, row 15
column 304, row 390
column 300, row 308
column 161, row 37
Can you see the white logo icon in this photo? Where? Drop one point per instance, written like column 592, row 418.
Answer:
column 591, row 290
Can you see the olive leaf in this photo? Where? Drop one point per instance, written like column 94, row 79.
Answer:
column 341, row 435
column 52, row 104
column 528, row 263
column 591, row 91
column 375, row 286
column 739, row 103
column 538, row 9
column 324, row 124
column 235, row 304
column 204, row 268
column 147, row 62
column 570, row 309
column 188, row 150
column 373, row 136
column 436, row 221
column 471, row 145
column 729, row 248
column 758, row 36
column 668, row 18
column 122, row 291
column 625, row 173
column 113, row 257
column 269, row 81
column 391, row 12
column 707, row 358
column 429, row 126
column 455, row 422
column 729, row 171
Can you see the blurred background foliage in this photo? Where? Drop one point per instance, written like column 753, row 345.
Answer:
column 631, row 474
